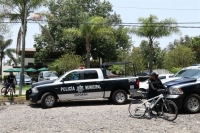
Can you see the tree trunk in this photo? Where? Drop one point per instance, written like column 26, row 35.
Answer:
column 88, row 49
column 88, row 60
column 151, row 55
column 1, row 66
column 24, row 25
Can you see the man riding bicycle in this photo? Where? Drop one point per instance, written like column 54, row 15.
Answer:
column 10, row 80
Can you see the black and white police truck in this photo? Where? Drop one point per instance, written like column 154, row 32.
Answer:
column 82, row 84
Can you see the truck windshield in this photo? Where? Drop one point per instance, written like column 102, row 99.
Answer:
column 188, row 73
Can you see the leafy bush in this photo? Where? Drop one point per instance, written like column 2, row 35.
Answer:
column 67, row 62
column 175, row 69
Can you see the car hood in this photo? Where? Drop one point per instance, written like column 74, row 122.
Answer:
column 178, row 80
column 43, row 82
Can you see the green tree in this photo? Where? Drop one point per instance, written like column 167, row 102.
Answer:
column 67, row 14
column 178, row 58
column 66, row 62
column 152, row 29
column 137, row 58
column 158, row 54
column 192, row 42
column 93, row 27
column 5, row 51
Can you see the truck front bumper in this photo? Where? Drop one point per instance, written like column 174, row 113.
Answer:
column 177, row 99
column 33, row 97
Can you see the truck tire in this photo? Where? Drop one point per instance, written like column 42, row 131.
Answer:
column 119, row 97
column 48, row 100
column 192, row 103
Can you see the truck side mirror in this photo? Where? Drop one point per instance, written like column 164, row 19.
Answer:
column 64, row 79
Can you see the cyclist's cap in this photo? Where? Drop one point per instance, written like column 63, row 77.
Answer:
column 153, row 74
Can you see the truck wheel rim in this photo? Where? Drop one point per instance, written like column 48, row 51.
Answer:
column 120, row 97
column 49, row 100
column 193, row 103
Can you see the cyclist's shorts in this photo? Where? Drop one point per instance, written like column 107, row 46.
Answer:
column 7, row 86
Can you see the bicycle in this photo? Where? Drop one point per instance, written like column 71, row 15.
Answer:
column 168, row 107
column 9, row 90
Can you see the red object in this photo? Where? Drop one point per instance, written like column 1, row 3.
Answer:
column 81, row 67
column 138, row 83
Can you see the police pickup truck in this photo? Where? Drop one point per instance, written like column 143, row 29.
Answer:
column 82, row 84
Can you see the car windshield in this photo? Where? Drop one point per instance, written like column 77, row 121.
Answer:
column 50, row 74
column 109, row 72
column 188, row 73
column 61, row 77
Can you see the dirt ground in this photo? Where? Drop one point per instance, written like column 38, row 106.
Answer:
column 16, row 99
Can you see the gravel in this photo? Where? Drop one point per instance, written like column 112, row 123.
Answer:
column 98, row 116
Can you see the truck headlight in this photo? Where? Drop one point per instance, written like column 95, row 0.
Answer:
column 175, row 91
column 34, row 90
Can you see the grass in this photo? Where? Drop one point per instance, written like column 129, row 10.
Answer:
column 25, row 87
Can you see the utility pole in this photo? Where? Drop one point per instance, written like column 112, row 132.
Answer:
column 23, row 50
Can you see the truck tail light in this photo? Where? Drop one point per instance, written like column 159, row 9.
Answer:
column 138, row 83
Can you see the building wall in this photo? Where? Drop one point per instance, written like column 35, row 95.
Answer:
column 29, row 60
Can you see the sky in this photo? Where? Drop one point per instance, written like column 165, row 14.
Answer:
column 131, row 10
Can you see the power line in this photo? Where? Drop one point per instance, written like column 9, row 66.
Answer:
column 121, row 24
column 96, row 23
column 156, row 8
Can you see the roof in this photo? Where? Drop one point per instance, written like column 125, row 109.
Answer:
column 29, row 49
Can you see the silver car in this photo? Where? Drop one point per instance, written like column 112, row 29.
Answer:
column 47, row 75
column 27, row 79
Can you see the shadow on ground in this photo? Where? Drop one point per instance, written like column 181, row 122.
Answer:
column 94, row 102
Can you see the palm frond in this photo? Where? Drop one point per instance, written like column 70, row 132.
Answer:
column 9, row 53
column 72, row 33
column 47, row 35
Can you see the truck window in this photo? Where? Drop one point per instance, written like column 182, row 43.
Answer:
column 162, row 77
column 73, row 76
column 92, row 74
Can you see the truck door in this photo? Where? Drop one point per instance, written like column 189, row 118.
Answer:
column 93, row 86
column 70, row 86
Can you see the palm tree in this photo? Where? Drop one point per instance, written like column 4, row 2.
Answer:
column 92, row 27
column 153, row 29
column 4, row 44
column 18, row 10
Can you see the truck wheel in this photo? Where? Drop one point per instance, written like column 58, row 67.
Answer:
column 192, row 103
column 119, row 97
column 48, row 100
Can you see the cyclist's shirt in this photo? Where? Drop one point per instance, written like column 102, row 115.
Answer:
column 154, row 85
column 11, row 79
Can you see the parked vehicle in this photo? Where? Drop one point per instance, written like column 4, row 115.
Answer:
column 145, row 86
column 143, row 74
column 82, row 84
column 184, row 89
column 27, row 79
column 186, row 96
column 47, row 75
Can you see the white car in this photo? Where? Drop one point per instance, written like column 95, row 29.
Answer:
column 145, row 86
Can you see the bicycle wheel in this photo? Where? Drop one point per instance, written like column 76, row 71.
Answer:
column 169, row 110
column 137, row 111
column 3, row 90
column 11, row 94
